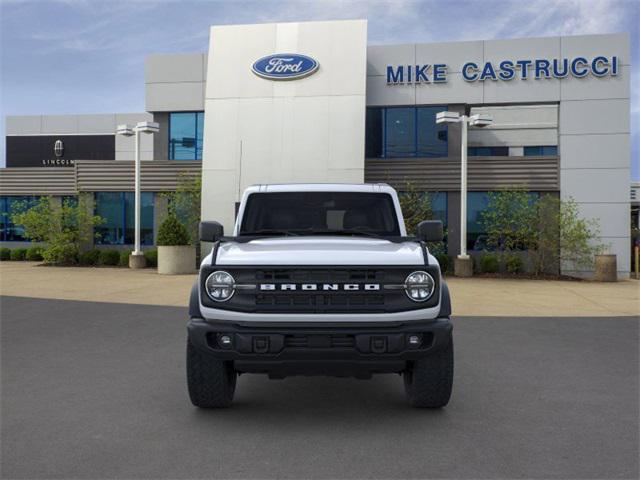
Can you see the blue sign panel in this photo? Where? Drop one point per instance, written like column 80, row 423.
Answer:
column 578, row 67
column 285, row 66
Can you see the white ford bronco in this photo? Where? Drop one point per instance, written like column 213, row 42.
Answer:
column 320, row 279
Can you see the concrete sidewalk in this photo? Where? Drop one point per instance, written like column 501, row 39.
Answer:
column 471, row 297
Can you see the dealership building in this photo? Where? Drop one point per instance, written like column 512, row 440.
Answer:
column 312, row 102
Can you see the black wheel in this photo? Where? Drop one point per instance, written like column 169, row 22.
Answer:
column 428, row 381
column 212, row 382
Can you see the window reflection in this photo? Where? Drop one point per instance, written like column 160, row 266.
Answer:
column 117, row 209
column 405, row 132
column 185, row 135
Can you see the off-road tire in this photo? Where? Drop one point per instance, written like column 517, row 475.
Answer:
column 211, row 382
column 428, row 381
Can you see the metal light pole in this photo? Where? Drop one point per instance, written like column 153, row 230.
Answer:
column 136, row 259
column 463, row 264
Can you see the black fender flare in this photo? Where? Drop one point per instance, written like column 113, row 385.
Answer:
column 445, row 302
column 194, row 302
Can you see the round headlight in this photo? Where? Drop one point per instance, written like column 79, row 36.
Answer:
column 419, row 286
column 220, row 286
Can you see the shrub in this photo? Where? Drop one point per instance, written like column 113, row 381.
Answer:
column 61, row 254
column 18, row 254
column 417, row 206
column 34, row 254
column 489, row 263
column 513, row 264
column 567, row 238
column 90, row 257
column 5, row 254
column 172, row 232
column 152, row 258
column 63, row 227
column 109, row 257
column 510, row 219
column 443, row 260
column 185, row 203
column 124, row 258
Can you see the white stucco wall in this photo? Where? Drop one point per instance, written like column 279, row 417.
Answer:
column 264, row 131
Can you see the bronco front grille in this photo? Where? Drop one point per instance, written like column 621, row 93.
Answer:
column 320, row 299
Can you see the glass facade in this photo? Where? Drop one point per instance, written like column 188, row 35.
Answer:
column 185, row 135
column 488, row 151
column 541, row 151
column 117, row 209
column 439, row 206
column 9, row 232
column 405, row 132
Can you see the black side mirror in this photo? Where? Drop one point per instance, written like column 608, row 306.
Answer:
column 210, row 231
column 430, row 231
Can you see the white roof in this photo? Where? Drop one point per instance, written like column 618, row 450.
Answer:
column 320, row 187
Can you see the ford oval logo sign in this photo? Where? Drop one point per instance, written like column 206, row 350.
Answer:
column 285, row 66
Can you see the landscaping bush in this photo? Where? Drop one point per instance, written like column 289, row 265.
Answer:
column 61, row 254
column 124, row 258
column 18, row 254
column 152, row 258
column 90, row 257
column 443, row 260
column 185, row 203
column 489, row 263
column 34, row 254
column 109, row 257
column 513, row 264
column 63, row 227
column 172, row 232
column 5, row 254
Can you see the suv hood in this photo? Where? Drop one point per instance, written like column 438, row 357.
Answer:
column 319, row 251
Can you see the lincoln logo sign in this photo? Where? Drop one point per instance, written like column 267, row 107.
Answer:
column 285, row 66
column 320, row 286
column 58, row 148
column 505, row 70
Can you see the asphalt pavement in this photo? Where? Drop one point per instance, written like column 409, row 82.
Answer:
column 97, row 390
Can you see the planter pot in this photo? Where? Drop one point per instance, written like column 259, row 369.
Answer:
column 176, row 260
column 606, row 268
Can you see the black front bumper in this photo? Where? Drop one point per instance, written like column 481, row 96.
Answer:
column 351, row 350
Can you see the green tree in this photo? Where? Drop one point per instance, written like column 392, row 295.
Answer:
column 563, row 237
column 184, row 203
column 63, row 227
column 551, row 229
column 417, row 206
column 510, row 220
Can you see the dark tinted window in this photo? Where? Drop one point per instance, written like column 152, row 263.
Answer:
column 541, row 151
column 117, row 211
column 432, row 137
column 10, row 232
column 373, row 138
column 320, row 212
column 185, row 135
column 488, row 151
column 400, row 132
column 405, row 132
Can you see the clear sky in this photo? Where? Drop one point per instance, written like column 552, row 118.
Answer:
column 87, row 56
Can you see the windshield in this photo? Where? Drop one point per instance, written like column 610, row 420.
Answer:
column 320, row 213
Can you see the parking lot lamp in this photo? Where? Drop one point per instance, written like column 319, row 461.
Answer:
column 463, row 263
column 136, row 259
